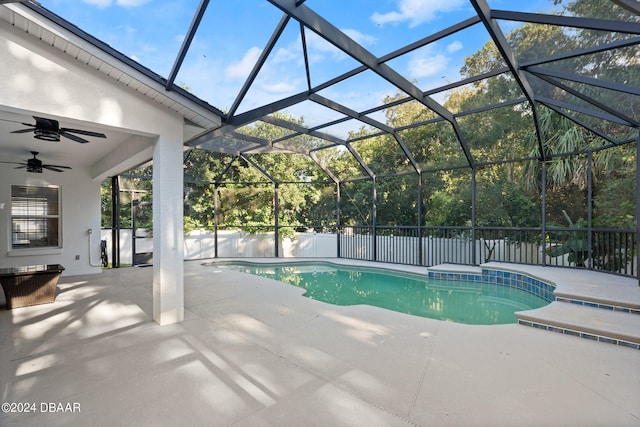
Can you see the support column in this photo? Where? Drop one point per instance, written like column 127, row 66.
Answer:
column 168, row 246
column 474, row 218
column 543, row 206
column 590, row 264
column 115, row 222
column 276, row 211
column 338, row 223
column 420, row 214
column 216, row 210
column 637, row 248
column 374, row 218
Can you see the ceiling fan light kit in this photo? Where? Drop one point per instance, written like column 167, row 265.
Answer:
column 46, row 134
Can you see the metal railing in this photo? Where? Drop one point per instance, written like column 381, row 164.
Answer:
column 447, row 245
column 615, row 251
column 609, row 250
column 509, row 244
column 399, row 245
column 356, row 242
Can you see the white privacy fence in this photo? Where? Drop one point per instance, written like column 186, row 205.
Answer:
column 201, row 244
column 241, row 244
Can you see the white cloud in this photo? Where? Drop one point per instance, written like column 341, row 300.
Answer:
column 286, row 54
column 131, row 3
column 203, row 78
column 122, row 3
column 293, row 51
column 389, row 17
column 280, row 87
column 416, row 11
column 317, row 43
column 454, row 46
column 360, row 38
column 242, row 68
column 147, row 48
column 99, row 3
column 427, row 66
column 318, row 48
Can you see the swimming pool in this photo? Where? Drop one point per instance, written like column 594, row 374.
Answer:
column 470, row 302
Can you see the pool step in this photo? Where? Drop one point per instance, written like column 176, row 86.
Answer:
column 615, row 327
column 626, row 303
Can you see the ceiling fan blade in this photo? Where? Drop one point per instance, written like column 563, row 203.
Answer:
column 73, row 137
column 23, row 130
column 21, row 167
column 56, row 166
column 13, row 163
column 53, row 168
column 83, row 132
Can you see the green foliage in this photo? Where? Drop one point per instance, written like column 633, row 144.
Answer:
column 574, row 243
column 447, row 195
column 105, row 204
column 397, row 200
column 356, row 203
column 504, row 204
column 615, row 192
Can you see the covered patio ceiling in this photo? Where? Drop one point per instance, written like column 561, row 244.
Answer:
column 325, row 78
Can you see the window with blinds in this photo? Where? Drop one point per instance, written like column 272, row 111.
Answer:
column 35, row 217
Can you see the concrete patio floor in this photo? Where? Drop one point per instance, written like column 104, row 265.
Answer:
column 254, row 352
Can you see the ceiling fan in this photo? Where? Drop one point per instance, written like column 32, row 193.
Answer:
column 50, row 130
column 35, row 165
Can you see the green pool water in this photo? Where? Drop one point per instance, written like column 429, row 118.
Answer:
column 462, row 302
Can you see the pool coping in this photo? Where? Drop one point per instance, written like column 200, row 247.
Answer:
column 412, row 269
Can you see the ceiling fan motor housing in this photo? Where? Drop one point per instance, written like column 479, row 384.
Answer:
column 34, row 165
column 47, row 129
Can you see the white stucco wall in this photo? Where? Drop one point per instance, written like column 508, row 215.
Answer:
column 80, row 197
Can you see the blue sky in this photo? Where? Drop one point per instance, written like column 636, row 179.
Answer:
column 234, row 32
